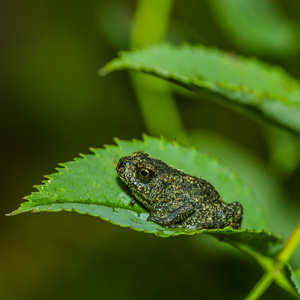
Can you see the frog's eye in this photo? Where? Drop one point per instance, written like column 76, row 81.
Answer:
column 145, row 174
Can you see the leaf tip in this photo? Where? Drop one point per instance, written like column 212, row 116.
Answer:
column 144, row 137
column 116, row 140
column 102, row 72
column 107, row 147
column 11, row 214
column 176, row 143
column 93, row 150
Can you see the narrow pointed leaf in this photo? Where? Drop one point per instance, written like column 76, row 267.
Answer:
column 90, row 185
column 246, row 84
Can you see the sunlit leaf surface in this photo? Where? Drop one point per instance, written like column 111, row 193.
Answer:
column 90, row 185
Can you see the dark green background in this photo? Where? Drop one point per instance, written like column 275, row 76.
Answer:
column 54, row 106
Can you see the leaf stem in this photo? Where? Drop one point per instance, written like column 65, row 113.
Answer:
column 261, row 286
column 150, row 22
column 290, row 246
column 276, row 272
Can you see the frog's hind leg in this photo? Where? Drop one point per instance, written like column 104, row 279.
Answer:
column 176, row 216
column 234, row 215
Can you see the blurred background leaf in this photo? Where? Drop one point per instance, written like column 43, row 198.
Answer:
column 257, row 27
column 53, row 106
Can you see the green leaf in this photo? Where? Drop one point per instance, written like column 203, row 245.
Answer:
column 90, row 185
column 297, row 274
column 290, row 280
column 246, row 84
column 257, row 27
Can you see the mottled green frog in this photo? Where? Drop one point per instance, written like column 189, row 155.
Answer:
column 174, row 198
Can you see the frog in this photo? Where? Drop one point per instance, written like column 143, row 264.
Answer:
column 174, row 198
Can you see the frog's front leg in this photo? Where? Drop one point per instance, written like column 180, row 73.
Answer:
column 177, row 215
column 234, row 211
column 133, row 201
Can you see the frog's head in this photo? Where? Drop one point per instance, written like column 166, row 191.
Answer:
column 145, row 176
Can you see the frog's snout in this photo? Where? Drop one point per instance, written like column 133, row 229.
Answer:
column 121, row 166
column 125, row 168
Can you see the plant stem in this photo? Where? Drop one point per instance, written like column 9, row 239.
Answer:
column 290, row 246
column 150, row 22
column 276, row 272
column 261, row 286
column 158, row 108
